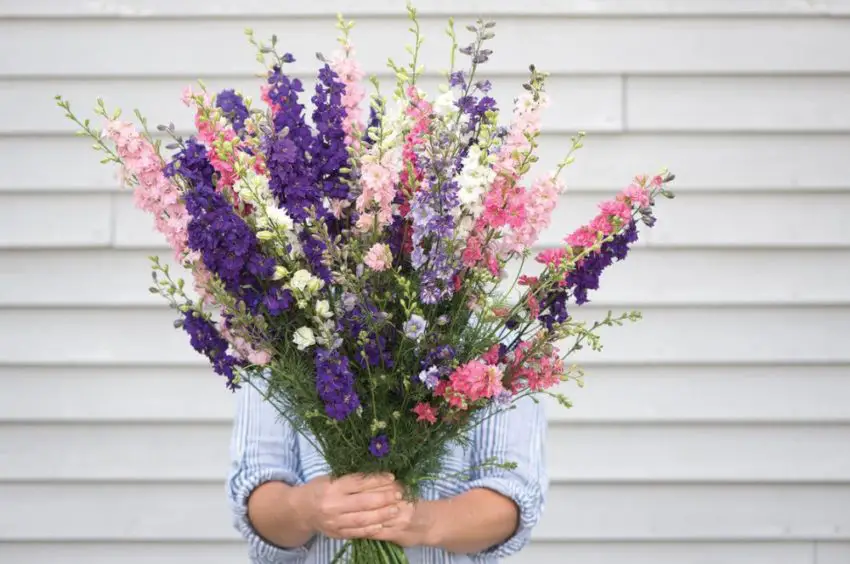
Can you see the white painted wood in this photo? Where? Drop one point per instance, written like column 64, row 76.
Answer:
column 738, row 103
column 712, row 432
column 616, row 8
column 58, row 220
column 233, row 552
column 142, row 394
column 632, row 453
column 651, row 276
column 749, row 219
column 180, row 511
column 832, row 552
column 666, row 553
column 612, row 394
column 591, row 103
column 756, row 162
column 607, row 45
column 664, row 335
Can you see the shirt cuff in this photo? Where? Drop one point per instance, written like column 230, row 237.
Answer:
column 262, row 551
column 528, row 498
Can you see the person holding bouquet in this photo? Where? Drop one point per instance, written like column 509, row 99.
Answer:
column 349, row 282
column 291, row 511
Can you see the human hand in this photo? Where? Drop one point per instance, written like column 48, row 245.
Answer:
column 354, row 506
column 411, row 526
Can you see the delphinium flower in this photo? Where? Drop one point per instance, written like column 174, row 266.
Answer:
column 374, row 348
column 436, row 365
column 155, row 193
column 217, row 133
column 614, row 215
column 415, row 327
column 346, row 66
column 425, row 412
column 335, row 384
column 379, row 446
column 233, row 107
column 328, row 152
column 433, row 219
column 206, row 339
column 533, row 367
column 291, row 174
column 379, row 257
column 471, row 382
column 227, row 245
column 242, row 349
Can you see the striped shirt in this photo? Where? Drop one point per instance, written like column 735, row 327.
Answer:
column 266, row 448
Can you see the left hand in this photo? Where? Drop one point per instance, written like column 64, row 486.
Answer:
column 411, row 526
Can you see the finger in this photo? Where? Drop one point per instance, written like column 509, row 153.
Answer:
column 359, row 533
column 368, row 501
column 366, row 518
column 361, row 482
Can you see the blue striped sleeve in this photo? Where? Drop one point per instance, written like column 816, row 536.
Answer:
column 263, row 448
column 515, row 435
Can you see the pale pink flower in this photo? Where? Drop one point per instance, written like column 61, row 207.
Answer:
column 350, row 74
column 378, row 189
column 243, row 348
column 379, row 257
column 154, row 193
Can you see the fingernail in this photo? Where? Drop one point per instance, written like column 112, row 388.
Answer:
column 398, row 495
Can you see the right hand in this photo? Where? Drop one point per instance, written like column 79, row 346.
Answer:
column 350, row 507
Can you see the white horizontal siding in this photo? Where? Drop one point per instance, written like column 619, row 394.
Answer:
column 749, row 219
column 230, row 552
column 606, row 45
column 113, row 277
column 832, row 553
column 591, row 103
column 753, row 162
column 616, row 8
column 738, row 103
column 93, row 452
column 579, row 512
column 713, row 431
column 664, row 335
column 633, row 394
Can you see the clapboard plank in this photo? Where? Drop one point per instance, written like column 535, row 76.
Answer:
column 614, row 8
column 616, row 45
column 740, row 103
column 55, row 220
column 650, row 276
column 585, row 512
column 591, row 103
column 236, row 552
column 623, row 394
column 664, row 335
column 832, row 552
column 630, row 453
column 818, row 219
column 606, row 163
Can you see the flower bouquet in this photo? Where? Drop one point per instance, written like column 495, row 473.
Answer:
column 356, row 268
